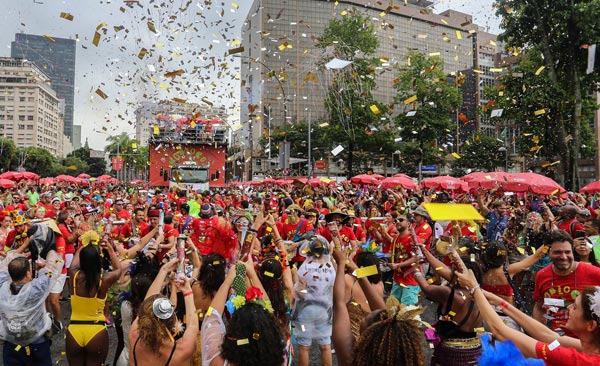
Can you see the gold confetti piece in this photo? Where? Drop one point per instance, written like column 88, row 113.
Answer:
column 451, row 313
column 172, row 74
column 539, row 112
column 422, row 36
column 438, row 268
column 96, row 39
column 233, row 51
column 508, row 9
column 235, row 5
column 101, row 93
column 456, row 156
column 430, row 281
column 444, row 21
column 465, row 24
column 209, row 311
column 495, row 69
column 49, row 38
column 100, row 25
column 535, row 139
column 492, row 42
column 133, row 145
column 478, row 71
column 156, row 131
column 463, row 249
column 269, row 274
column 207, row 101
column 193, row 124
column 179, row 100
column 151, row 27
column 375, row 110
column 539, row 70
column 241, row 342
column 366, row 271
column 458, row 34
column 164, row 87
column 66, row 16
column 480, row 329
column 142, row 53
column 433, row 54
column 410, row 99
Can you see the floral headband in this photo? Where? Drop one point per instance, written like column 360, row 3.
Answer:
column 252, row 294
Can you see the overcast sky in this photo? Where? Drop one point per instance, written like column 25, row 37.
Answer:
column 187, row 35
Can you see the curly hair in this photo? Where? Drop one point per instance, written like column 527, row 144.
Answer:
column 152, row 330
column 212, row 274
column 391, row 342
column 494, row 255
column 270, row 273
column 254, row 324
column 91, row 264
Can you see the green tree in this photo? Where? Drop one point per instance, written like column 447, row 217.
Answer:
column 7, row 154
column 126, row 147
column 561, row 30
column 74, row 166
column 95, row 166
column 356, row 118
column 39, row 161
column 481, row 153
column 430, row 99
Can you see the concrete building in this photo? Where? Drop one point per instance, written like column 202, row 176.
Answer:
column 282, row 83
column 76, row 137
column 56, row 58
column 146, row 112
column 30, row 112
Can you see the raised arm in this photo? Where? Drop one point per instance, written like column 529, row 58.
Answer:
column 343, row 340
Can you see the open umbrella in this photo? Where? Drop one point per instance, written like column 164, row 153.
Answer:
column 84, row 176
column 11, row 175
column 485, row 180
column 6, row 183
column 48, row 180
column 395, row 182
column 268, row 181
column 593, row 187
column 66, row 178
column 445, row 183
column 364, row 179
column 533, row 182
column 30, row 175
column 378, row 176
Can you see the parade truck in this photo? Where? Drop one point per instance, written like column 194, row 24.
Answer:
column 187, row 152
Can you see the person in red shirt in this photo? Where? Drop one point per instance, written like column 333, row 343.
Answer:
column 568, row 220
column 537, row 340
column 422, row 229
column 292, row 230
column 336, row 230
column 404, row 263
column 134, row 228
column 57, row 289
column 557, row 285
column 118, row 209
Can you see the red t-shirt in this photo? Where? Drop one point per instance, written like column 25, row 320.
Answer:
column 287, row 231
column 61, row 246
column 567, row 225
column 468, row 231
column 65, row 232
column 127, row 229
column 402, row 250
column 345, row 232
column 564, row 356
column 424, row 234
column 550, row 285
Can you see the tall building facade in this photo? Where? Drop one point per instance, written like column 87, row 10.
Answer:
column 56, row 58
column 281, row 80
column 30, row 111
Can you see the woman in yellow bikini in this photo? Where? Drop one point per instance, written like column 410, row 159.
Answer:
column 87, row 337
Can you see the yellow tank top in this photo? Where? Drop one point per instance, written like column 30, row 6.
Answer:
column 87, row 308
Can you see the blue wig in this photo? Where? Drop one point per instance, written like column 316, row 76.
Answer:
column 504, row 354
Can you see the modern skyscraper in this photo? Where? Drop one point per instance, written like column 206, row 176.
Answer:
column 56, row 58
column 282, row 81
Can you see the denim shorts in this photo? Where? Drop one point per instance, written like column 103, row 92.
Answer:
column 313, row 322
column 36, row 354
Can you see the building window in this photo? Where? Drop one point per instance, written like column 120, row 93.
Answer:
column 21, row 127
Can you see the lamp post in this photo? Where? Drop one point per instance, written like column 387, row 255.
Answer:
column 394, row 153
column 505, row 150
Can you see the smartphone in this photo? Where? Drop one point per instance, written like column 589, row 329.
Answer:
column 579, row 233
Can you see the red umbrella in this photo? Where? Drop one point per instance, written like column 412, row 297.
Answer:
column 485, row 180
column 318, row 182
column 593, row 187
column 378, row 176
column 104, row 177
column 84, row 176
column 446, row 182
column 395, row 182
column 6, row 183
column 66, row 178
column 536, row 183
column 48, row 180
column 268, row 181
column 30, row 175
column 364, row 179
column 301, row 180
column 11, row 175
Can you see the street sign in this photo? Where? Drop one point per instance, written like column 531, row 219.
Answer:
column 429, row 168
column 321, row 164
column 117, row 163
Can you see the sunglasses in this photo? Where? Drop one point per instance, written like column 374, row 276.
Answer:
column 400, row 219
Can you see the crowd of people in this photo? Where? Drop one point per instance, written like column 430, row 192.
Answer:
column 259, row 275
